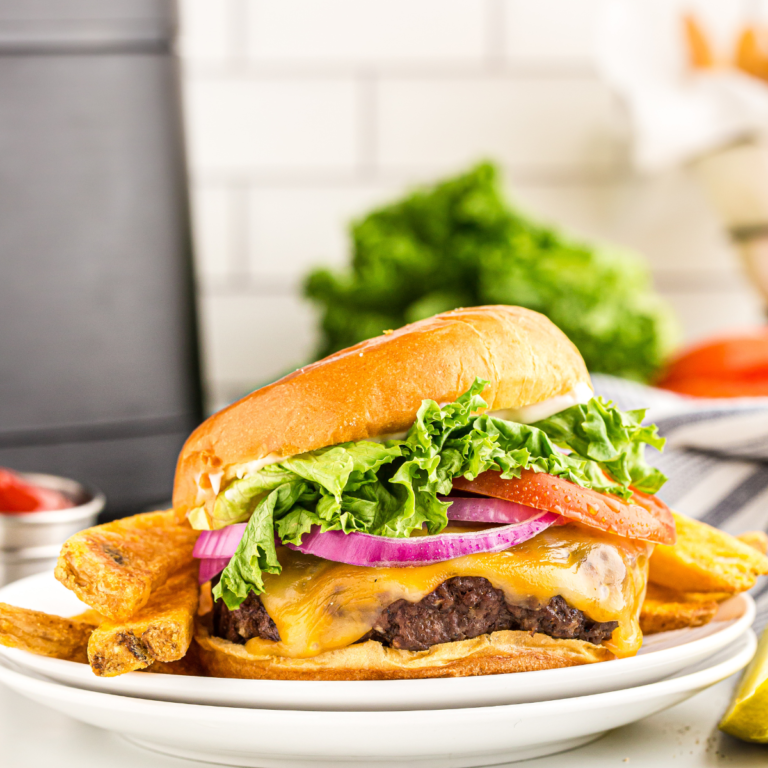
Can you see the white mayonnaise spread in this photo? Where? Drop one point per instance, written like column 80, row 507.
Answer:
column 243, row 470
column 215, row 478
column 527, row 414
column 221, row 478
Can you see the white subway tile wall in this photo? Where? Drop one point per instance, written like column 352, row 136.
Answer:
column 206, row 29
column 371, row 31
column 533, row 125
column 302, row 114
column 293, row 228
column 246, row 125
column 247, row 340
column 556, row 31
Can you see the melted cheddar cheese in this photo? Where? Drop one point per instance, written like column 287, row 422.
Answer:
column 321, row 606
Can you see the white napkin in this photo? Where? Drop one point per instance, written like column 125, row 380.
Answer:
column 677, row 114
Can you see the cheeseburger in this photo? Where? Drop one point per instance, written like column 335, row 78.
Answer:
column 447, row 499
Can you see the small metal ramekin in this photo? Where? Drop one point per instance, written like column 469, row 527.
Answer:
column 16, row 564
column 29, row 541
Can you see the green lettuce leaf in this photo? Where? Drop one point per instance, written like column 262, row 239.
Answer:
column 616, row 439
column 236, row 503
column 392, row 489
column 347, row 465
column 256, row 553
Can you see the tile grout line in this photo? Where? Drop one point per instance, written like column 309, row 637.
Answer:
column 403, row 174
column 243, row 66
column 495, row 42
column 241, row 227
column 238, row 37
column 256, row 284
column 367, row 126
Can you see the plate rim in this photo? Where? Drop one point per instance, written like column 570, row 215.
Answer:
column 699, row 679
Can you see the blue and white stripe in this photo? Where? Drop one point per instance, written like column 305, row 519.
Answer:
column 716, row 458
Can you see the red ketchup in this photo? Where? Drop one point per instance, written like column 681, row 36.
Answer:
column 17, row 495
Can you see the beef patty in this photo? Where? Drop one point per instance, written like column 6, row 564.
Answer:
column 460, row 608
column 468, row 606
column 249, row 620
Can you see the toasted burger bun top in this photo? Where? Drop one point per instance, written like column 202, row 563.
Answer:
column 376, row 387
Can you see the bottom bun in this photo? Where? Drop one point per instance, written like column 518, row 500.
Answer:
column 494, row 654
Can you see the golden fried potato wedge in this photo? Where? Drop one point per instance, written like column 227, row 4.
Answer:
column 188, row 666
column 663, row 593
column 89, row 616
column 756, row 539
column 44, row 634
column 705, row 559
column 161, row 631
column 114, row 567
column 664, row 610
column 699, row 597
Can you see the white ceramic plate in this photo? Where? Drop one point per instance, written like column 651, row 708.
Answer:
column 449, row 738
column 661, row 656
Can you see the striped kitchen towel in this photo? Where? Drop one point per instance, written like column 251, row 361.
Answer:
column 716, row 458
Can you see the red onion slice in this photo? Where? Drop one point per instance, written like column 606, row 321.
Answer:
column 215, row 548
column 385, row 552
column 210, row 567
column 487, row 510
column 220, row 543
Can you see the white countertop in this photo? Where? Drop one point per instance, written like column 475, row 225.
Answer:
column 686, row 736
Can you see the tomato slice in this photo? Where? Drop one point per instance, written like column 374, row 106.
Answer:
column 642, row 517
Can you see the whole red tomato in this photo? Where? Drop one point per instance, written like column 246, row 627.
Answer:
column 733, row 366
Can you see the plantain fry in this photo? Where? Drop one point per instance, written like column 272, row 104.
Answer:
column 161, row 631
column 756, row 539
column 664, row 610
column 44, row 634
column 705, row 559
column 114, row 567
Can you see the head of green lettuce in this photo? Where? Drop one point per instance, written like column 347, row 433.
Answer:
column 392, row 488
column 460, row 244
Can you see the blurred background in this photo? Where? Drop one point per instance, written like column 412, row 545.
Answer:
column 302, row 115
column 178, row 174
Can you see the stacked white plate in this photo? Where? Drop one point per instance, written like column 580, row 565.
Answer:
column 439, row 723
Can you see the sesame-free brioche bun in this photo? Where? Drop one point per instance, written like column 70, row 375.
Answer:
column 376, row 387
column 497, row 653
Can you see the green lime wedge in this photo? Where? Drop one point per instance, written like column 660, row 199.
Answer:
column 747, row 717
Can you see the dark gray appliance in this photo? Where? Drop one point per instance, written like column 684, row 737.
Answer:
column 99, row 375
